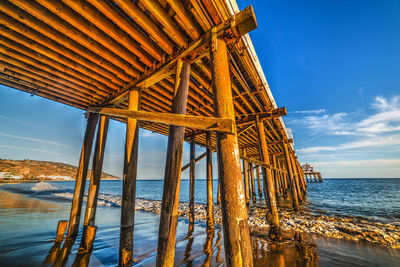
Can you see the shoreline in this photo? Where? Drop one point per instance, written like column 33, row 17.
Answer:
column 356, row 229
column 304, row 221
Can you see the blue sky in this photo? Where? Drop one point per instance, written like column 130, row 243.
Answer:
column 333, row 64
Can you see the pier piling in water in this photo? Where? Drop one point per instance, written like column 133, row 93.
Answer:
column 172, row 177
column 233, row 208
column 80, row 182
column 94, row 185
column 209, row 174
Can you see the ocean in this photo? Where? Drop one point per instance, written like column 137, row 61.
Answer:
column 29, row 213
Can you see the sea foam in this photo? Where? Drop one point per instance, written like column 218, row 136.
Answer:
column 43, row 186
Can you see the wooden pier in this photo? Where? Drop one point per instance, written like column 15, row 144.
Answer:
column 310, row 174
column 185, row 69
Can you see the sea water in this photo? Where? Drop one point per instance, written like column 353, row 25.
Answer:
column 29, row 213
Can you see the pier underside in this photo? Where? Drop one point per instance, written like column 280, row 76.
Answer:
column 185, row 69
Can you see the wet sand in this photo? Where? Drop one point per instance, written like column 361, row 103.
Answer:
column 28, row 225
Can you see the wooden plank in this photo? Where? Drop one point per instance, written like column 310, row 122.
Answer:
column 251, row 118
column 190, row 121
column 242, row 23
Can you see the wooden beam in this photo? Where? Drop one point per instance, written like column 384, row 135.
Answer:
column 94, row 185
column 242, row 23
column 273, row 220
column 192, row 175
column 172, row 177
column 269, row 143
column 196, row 160
column 251, row 118
column 80, row 182
column 209, row 208
column 190, row 121
column 129, row 184
column 238, row 250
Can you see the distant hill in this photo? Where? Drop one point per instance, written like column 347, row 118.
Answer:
column 42, row 170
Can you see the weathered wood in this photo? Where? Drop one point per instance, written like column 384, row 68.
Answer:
column 80, row 181
column 195, row 160
column 209, row 208
column 190, row 121
column 61, row 228
column 295, row 201
column 94, row 186
column 252, row 118
column 129, row 184
column 242, row 23
column 245, row 179
column 233, row 207
column 268, row 143
column 296, row 178
column 259, row 181
column 192, row 181
column 170, row 201
column 251, row 176
column 273, row 219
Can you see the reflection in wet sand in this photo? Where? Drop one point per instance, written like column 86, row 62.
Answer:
column 25, row 240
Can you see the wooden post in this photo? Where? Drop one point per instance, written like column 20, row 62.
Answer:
column 245, row 178
column 97, row 166
column 129, row 184
column 233, row 206
column 259, row 181
column 276, row 178
column 315, row 177
column 273, row 219
column 320, row 177
column 219, row 193
column 296, row 178
column 172, row 177
column 192, row 177
column 80, row 182
column 210, row 209
column 295, row 200
column 251, row 175
column 61, row 228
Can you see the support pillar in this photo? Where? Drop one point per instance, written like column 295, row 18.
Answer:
column 258, row 181
column 80, row 182
column 94, row 186
column 238, row 250
column 273, row 219
column 251, row 175
column 210, row 209
column 245, row 178
column 172, row 177
column 129, row 183
column 296, row 178
column 290, row 177
column 192, row 177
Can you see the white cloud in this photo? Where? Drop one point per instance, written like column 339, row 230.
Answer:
column 30, row 149
column 362, row 163
column 25, row 122
column 376, row 141
column 36, row 140
column 312, row 111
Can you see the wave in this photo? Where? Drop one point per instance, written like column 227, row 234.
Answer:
column 43, row 186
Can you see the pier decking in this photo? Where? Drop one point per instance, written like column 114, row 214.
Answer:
column 185, row 69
